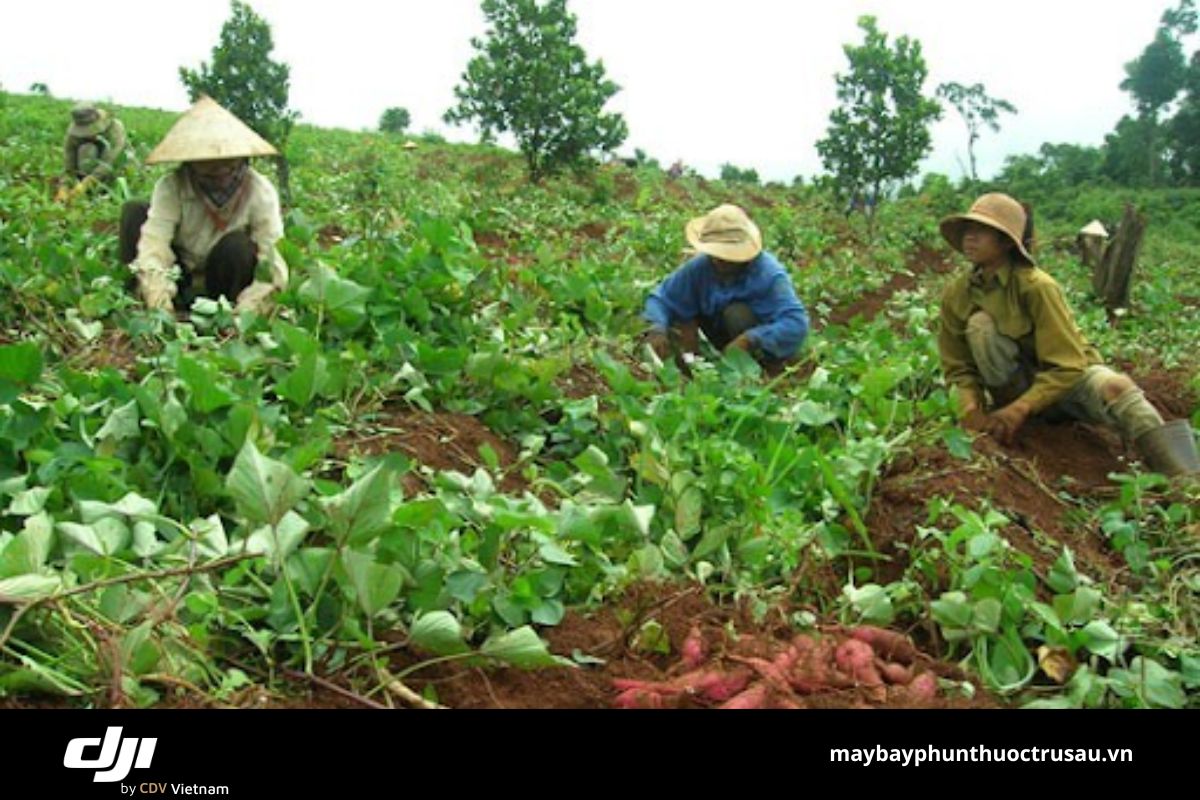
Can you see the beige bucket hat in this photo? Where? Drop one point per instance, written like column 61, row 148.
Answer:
column 206, row 132
column 1094, row 228
column 88, row 120
column 726, row 233
column 996, row 210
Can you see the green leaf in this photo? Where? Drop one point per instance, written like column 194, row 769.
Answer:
column 985, row 616
column 521, row 648
column 210, row 535
column 1159, row 686
column 29, row 502
column 439, row 633
column 958, row 442
column 29, row 550
column 689, row 508
column 343, row 299
column 103, row 537
column 1063, row 577
column 121, row 424
column 1101, row 639
column 204, row 385
column 28, row 588
column 465, row 585
column 375, row 585
column 952, row 610
column 20, row 363
column 363, row 510
column 712, row 540
column 279, row 541
column 304, row 382
column 814, row 415
column 552, row 553
column 20, row 366
column 132, row 505
column 872, row 603
column 265, row 490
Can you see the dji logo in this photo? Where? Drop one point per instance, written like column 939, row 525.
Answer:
column 116, row 755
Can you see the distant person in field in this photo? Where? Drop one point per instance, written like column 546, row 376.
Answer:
column 733, row 291
column 93, row 150
column 210, row 222
column 1010, row 345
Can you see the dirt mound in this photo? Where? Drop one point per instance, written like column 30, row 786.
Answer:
column 113, row 348
column 581, row 381
column 442, row 441
column 923, row 259
column 1023, row 482
column 330, row 235
column 607, row 635
column 593, row 230
column 1169, row 391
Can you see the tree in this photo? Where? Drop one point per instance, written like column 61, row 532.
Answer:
column 879, row 132
column 395, row 120
column 244, row 79
column 531, row 79
column 733, row 174
column 977, row 110
column 1157, row 76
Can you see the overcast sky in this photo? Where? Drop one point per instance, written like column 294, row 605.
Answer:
column 708, row 81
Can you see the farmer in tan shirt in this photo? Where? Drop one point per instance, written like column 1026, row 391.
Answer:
column 1007, row 333
column 92, row 151
column 210, row 222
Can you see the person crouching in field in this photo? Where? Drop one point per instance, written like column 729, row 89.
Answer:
column 93, row 150
column 210, row 221
column 1006, row 331
column 739, row 295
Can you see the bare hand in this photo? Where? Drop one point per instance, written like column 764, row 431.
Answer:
column 1004, row 424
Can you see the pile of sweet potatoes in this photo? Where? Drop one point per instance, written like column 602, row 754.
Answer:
column 867, row 664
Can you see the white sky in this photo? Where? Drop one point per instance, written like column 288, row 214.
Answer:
column 708, row 81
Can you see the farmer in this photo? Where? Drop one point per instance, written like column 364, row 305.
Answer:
column 95, row 142
column 210, row 221
column 739, row 295
column 1008, row 335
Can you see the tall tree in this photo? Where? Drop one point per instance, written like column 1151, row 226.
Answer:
column 977, row 110
column 530, row 78
column 1156, row 77
column 243, row 78
column 879, row 132
column 395, row 120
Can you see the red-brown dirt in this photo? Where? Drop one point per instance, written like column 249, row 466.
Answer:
column 924, row 259
column 607, row 635
column 442, row 441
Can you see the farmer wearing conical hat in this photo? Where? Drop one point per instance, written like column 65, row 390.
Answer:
column 738, row 294
column 210, row 221
column 94, row 146
column 1008, row 335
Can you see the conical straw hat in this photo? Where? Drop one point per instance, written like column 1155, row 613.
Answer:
column 1094, row 228
column 206, row 132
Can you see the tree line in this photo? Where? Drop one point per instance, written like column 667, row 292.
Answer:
column 531, row 79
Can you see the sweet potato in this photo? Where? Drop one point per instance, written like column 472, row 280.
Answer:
column 771, row 674
column 923, row 688
column 856, row 659
column 895, row 674
column 889, row 645
column 694, row 650
column 716, row 685
column 638, row 698
column 754, row 697
column 655, row 687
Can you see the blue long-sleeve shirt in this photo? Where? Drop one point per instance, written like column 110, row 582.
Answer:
column 692, row 291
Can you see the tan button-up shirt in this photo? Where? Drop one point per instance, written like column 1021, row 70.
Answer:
column 1028, row 307
column 180, row 216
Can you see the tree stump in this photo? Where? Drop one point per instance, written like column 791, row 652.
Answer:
column 1113, row 275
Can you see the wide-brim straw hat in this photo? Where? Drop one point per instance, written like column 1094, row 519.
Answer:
column 88, row 121
column 207, row 132
column 996, row 210
column 726, row 233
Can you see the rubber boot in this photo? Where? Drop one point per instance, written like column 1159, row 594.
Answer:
column 1171, row 449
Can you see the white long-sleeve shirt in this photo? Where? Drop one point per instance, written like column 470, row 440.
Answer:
column 180, row 216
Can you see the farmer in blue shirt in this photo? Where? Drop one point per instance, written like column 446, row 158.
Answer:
column 736, row 293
